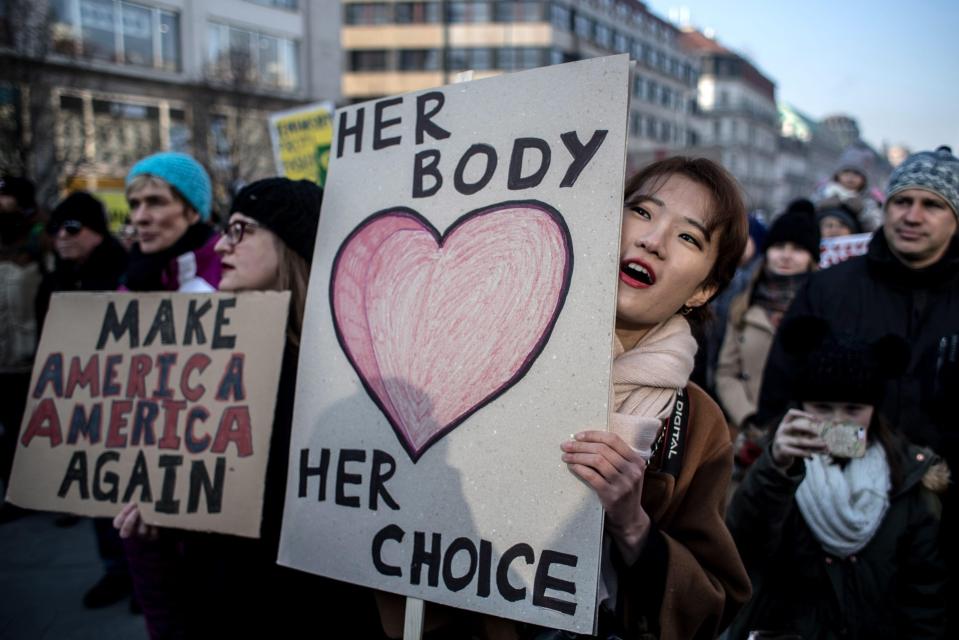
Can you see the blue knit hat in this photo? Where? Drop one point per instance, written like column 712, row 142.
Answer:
column 936, row 171
column 181, row 172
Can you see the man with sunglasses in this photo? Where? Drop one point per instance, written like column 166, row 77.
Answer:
column 88, row 257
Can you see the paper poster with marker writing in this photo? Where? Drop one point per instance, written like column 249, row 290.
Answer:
column 162, row 399
column 458, row 330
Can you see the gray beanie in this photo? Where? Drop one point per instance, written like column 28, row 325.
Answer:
column 936, row 171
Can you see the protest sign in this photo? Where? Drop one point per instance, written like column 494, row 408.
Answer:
column 458, row 330
column 301, row 141
column 161, row 399
column 841, row 248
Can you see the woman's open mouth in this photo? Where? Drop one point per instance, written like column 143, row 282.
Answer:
column 637, row 274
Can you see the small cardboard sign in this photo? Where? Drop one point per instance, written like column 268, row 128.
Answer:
column 301, row 141
column 841, row 248
column 458, row 330
column 163, row 399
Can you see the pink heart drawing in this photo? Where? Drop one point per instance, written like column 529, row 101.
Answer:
column 437, row 326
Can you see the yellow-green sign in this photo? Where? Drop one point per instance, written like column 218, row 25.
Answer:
column 301, row 141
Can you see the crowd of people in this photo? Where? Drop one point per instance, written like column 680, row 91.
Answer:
column 768, row 524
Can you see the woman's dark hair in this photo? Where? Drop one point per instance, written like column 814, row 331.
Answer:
column 727, row 222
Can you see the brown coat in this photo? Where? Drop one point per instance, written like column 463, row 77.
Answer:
column 690, row 562
column 742, row 358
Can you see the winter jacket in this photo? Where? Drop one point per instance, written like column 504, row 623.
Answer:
column 742, row 358
column 189, row 266
column 892, row 588
column 101, row 271
column 19, row 284
column 871, row 296
column 688, row 581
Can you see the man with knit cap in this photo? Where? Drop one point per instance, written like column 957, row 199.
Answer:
column 170, row 196
column 907, row 284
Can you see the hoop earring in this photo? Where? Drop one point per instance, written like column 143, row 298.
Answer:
column 685, row 310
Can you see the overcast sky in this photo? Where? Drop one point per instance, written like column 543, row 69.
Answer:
column 892, row 65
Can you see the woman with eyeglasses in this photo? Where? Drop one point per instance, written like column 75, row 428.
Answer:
column 266, row 245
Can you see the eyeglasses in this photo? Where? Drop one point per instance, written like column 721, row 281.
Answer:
column 72, row 227
column 235, row 230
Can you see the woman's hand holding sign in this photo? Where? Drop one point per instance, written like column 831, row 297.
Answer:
column 615, row 471
column 128, row 522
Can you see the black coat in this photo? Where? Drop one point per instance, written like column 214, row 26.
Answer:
column 893, row 588
column 101, row 272
column 871, row 296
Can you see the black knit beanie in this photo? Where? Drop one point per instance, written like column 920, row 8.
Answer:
column 838, row 367
column 288, row 208
column 82, row 207
column 842, row 213
column 797, row 225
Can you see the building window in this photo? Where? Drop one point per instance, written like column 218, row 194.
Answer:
column 560, row 17
column 371, row 60
column 419, row 60
column 477, row 59
column 368, row 13
column 292, row 5
column 639, row 86
column 514, row 59
column 418, row 13
column 525, row 11
column 620, row 43
column 649, row 56
column 636, row 124
column 652, row 128
column 468, row 12
column 72, row 132
column 583, row 27
column 117, row 31
column 124, row 132
column 240, row 56
column 604, row 37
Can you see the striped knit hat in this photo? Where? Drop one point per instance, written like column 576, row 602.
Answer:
column 936, row 171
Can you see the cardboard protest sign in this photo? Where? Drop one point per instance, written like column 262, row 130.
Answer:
column 301, row 141
column 839, row 249
column 458, row 330
column 161, row 399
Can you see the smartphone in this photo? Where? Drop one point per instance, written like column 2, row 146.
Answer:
column 844, row 439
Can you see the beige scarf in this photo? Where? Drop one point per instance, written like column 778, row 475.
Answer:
column 646, row 379
column 645, row 382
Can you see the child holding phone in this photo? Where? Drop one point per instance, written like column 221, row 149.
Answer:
column 838, row 545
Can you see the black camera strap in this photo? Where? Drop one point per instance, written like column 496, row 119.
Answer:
column 671, row 443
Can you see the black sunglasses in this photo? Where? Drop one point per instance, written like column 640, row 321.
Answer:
column 72, row 227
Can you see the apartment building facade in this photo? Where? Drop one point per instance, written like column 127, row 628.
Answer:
column 393, row 47
column 88, row 86
column 740, row 116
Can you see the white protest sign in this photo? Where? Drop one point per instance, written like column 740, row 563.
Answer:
column 458, row 330
column 841, row 248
